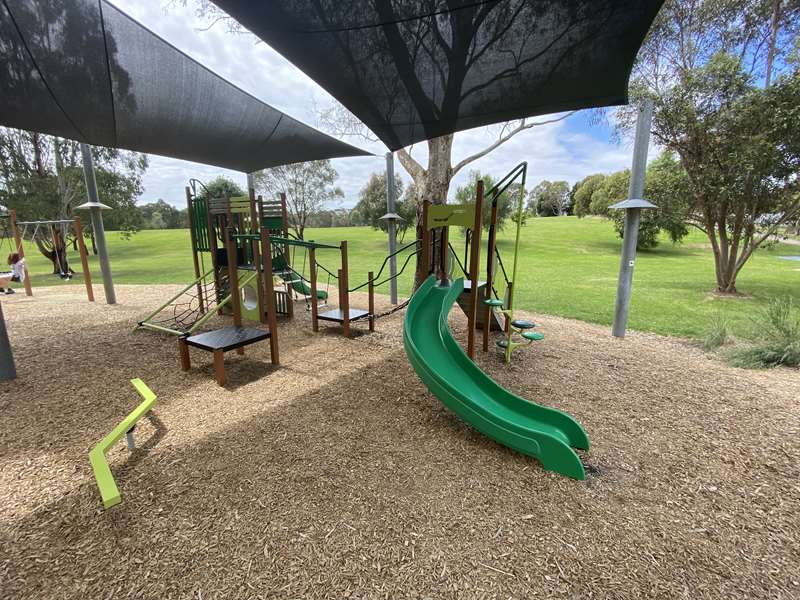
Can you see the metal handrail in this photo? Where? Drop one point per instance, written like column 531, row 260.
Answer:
column 508, row 179
column 395, row 253
column 388, row 279
column 460, row 266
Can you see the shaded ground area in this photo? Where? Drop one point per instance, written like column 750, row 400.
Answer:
column 338, row 475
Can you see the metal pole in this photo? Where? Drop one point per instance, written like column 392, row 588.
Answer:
column 390, row 226
column 7, row 370
column 632, row 217
column 97, row 224
column 251, row 182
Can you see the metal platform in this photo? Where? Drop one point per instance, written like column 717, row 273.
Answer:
column 228, row 338
column 337, row 315
column 218, row 342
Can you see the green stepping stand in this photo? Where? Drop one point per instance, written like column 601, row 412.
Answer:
column 522, row 324
column 533, row 336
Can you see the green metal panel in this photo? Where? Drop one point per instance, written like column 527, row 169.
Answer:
column 200, row 224
column 449, row 215
column 272, row 223
column 544, row 433
column 97, row 457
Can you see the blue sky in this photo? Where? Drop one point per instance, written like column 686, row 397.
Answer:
column 566, row 150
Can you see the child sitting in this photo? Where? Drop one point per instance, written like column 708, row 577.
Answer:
column 17, row 273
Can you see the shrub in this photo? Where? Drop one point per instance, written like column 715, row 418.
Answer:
column 779, row 338
column 717, row 333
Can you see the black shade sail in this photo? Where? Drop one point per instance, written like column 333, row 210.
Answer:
column 84, row 70
column 416, row 69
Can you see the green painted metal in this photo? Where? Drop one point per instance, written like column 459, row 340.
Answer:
column 509, row 311
column 272, row 223
column 97, row 456
column 300, row 284
column 534, row 336
column 274, row 239
column 544, row 433
column 160, row 328
column 200, row 224
column 450, row 215
column 222, row 303
column 144, row 322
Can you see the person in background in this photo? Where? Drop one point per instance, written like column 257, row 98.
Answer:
column 16, row 274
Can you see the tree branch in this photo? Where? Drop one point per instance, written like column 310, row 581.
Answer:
column 410, row 164
column 504, row 138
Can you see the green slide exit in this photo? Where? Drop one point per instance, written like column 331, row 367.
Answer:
column 544, row 433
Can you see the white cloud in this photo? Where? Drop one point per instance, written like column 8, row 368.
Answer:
column 553, row 151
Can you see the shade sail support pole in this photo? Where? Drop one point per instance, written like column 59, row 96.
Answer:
column 94, row 205
column 633, row 207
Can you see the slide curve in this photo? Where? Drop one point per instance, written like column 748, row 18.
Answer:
column 538, row 431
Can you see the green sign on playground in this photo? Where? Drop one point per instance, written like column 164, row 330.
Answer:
column 449, row 215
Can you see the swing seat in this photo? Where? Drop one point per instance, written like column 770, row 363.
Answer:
column 522, row 324
column 533, row 336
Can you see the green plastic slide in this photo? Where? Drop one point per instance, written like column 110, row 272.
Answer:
column 544, row 433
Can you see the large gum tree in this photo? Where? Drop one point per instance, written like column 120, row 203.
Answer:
column 726, row 92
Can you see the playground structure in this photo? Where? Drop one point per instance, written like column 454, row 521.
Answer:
column 237, row 231
column 56, row 230
column 490, row 305
column 250, row 248
column 448, row 371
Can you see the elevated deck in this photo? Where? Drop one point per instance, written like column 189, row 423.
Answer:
column 337, row 315
column 220, row 341
column 227, row 338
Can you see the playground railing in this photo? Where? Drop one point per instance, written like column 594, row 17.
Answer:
column 383, row 266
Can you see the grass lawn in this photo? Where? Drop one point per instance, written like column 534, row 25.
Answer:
column 567, row 267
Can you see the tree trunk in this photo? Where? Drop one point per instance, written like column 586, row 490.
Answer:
column 432, row 184
column 725, row 257
column 56, row 253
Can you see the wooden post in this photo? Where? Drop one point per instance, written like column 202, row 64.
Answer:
column 371, row 307
column 443, row 251
column 487, row 310
column 219, row 367
column 261, row 274
column 21, row 251
column 474, row 268
column 87, row 276
column 183, row 348
column 425, row 251
column 343, row 293
column 193, row 238
column 269, row 292
column 312, row 265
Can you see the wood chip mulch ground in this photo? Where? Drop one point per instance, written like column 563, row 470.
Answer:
column 337, row 475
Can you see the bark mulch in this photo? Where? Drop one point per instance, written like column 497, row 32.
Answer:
column 337, row 475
